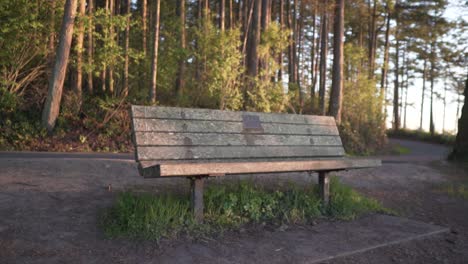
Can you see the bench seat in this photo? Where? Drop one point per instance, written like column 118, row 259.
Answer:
column 151, row 169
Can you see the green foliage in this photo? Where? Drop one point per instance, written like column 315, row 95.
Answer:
column 146, row 216
column 400, row 150
column 445, row 139
column 230, row 207
column 346, row 203
column 362, row 128
column 220, row 60
column 102, row 124
column 22, row 46
column 16, row 127
column 266, row 95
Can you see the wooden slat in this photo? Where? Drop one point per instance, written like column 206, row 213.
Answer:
column 152, row 163
column 196, row 139
column 196, row 126
column 181, row 169
column 210, row 114
column 233, row 152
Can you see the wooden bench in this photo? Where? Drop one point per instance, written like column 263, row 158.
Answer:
column 198, row 143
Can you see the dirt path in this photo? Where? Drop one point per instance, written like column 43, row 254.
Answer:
column 49, row 209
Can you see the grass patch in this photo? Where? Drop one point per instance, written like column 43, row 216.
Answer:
column 459, row 189
column 400, row 150
column 445, row 139
column 228, row 207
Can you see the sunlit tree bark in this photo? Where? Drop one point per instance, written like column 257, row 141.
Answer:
column 54, row 96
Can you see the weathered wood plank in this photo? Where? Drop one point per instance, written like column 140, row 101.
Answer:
column 211, row 114
column 192, row 126
column 233, row 152
column 220, row 168
column 196, row 139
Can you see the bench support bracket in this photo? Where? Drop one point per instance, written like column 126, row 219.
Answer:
column 324, row 186
column 196, row 187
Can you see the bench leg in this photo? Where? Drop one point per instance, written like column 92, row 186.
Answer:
column 324, row 186
column 196, row 185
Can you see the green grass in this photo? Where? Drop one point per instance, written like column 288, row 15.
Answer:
column 229, row 207
column 445, row 139
column 459, row 189
column 400, row 150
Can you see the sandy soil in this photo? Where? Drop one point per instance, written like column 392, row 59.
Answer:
column 49, row 209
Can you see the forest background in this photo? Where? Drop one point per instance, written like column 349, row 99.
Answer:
column 69, row 69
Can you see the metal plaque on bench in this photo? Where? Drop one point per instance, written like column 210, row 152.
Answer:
column 251, row 124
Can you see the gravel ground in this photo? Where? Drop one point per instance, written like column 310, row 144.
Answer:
column 49, row 209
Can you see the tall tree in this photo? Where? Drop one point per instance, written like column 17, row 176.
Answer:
column 180, row 81
column 144, row 25
column 282, row 25
column 432, row 82
column 373, row 32
column 423, row 93
column 54, row 96
column 336, row 95
column 396, row 89
column 323, row 56
column 90, row 45
column 384, row 80
column 78, row 85
column 127, row 48
column 460, row 149
column 112, row 38
column 154, row 64
column 253, row 41
column 222, row 13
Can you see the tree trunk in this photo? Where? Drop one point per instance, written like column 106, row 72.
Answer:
column 253, row 42
column 104, row 66
column 383, row 80
column 90, row 45
column 231, row 12
column 180, row 81
column 460, row 149
column 127, row 49
column 144, row 26
column 423, row 94
column 78, row 84
column 51, row 45
column 312, row 55
column 154, row 64
column 222, row 12
column 445, row 105
column 336, row 95
column 54, row 96
column 280, row 57
column 396, row 90
column 112, row 37
column 323, row 57
column 265, row 23
column 431, row 79
column 372, row 38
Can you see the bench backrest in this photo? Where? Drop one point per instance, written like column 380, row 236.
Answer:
column 170, row 134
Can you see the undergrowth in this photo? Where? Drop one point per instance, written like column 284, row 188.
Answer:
column 459, row 189
column 229, row 207
column 100, row 124
column 445, row 139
